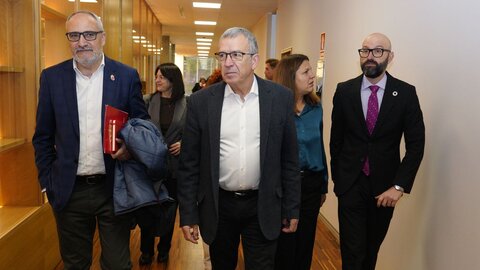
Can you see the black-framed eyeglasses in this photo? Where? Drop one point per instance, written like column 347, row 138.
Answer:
column 87, row 35
column 235, row 56
column 377, row 52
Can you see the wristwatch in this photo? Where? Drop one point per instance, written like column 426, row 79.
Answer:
column 399, row 188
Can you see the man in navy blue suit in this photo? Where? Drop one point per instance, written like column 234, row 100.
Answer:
column 72, row 168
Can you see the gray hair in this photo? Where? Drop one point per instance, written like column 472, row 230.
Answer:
column 97, row 19
column 235, row 31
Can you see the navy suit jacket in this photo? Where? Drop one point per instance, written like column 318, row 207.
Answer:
column 57, row 139
column 399, row 115
column 198, row 173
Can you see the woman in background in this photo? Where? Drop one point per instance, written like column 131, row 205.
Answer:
column 167, row 109
column 295, row 250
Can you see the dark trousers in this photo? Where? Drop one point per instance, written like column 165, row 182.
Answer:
column 88, row 206
column 363, row 225
column 146, row 219
column 294, row 250
column 238, row 219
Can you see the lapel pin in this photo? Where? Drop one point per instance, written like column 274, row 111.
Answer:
column 395, row 93
column 112, row 77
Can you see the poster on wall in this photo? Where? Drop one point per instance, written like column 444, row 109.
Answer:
column 321, row 65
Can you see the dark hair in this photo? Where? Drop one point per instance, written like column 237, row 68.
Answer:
column 272, row 62
column 174, row 75
column 285, row 75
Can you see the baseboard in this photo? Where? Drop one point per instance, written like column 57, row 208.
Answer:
column 330, row 227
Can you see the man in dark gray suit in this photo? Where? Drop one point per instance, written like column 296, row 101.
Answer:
column 238, row 173
column 370, row 115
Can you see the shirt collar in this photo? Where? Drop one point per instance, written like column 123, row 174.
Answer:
column 253, row 89
column 382, row 83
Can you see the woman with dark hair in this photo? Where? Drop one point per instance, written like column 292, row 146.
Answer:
column 294, row 250
column 167, row 109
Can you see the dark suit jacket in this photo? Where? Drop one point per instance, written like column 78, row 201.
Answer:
column 198, row 174
column 175, row 131
column 57, row 138
column 350, row 141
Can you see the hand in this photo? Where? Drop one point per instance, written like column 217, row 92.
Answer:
column 122, row 153
column 389, row 198
column 190, row 233
column 289, row 226
column 175, row 148
column 323, row 198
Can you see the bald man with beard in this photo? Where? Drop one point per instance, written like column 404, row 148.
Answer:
column 370, row 115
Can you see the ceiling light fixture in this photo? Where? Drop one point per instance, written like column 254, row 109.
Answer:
column 204, row 43
column 204, row 39
column 203, row 48
column 205, row 23
column 204, row 33
column 206, row 5
column 203, row 52
column 84, row 1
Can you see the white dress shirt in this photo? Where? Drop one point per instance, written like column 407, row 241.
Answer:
column 89, row 102
column 240, row 140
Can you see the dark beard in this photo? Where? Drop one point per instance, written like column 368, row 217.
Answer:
column 377, row 70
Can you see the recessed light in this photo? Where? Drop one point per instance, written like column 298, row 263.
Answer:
column 206, row 5
column 204, row 33
column 84, row 1
column 205, row 23
column 203, row 52
column 203, row 48
column 204, row 39
column 204, row 43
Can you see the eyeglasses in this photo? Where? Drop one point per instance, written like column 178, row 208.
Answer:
column 87, row 35
column 235, row 56
column 377, row 52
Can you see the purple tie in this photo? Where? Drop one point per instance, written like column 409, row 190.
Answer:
column 372, row 114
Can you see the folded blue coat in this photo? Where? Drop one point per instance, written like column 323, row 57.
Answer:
column 138, row 181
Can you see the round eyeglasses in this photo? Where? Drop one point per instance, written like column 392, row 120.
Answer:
column 87, row 35
column 377, row 52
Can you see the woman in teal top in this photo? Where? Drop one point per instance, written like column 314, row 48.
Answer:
column 295, row 250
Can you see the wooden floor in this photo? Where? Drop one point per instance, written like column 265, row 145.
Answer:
column 187, row 256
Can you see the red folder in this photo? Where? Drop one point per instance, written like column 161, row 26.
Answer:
column 114, row 121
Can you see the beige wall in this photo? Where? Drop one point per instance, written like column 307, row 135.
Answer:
column 262, row 31
column 436, row 45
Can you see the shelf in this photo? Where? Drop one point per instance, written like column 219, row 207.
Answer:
column 8, row 143
column 11, row 69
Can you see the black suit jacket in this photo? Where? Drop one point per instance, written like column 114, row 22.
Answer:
column 350, row 142
column 198, row 174
column 57, row 133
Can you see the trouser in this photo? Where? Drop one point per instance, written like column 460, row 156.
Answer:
column 88, row 206
column 363, row 225
column 295, row 250
column 238, row 218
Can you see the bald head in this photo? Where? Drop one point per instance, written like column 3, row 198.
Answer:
column 377, row 40
column 375, row 55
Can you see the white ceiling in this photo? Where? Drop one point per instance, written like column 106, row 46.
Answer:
column 181, row 29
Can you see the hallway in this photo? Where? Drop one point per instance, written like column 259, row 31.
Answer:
column 187, row 256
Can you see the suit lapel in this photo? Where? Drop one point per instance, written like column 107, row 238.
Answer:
column 357, row 102
column 214, row 109
column 109, row 85
column 387, row 102
column 177, row 115
column 69, row 82
column 265, row 102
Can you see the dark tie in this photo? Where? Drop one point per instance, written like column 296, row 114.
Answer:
column 371, row 119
